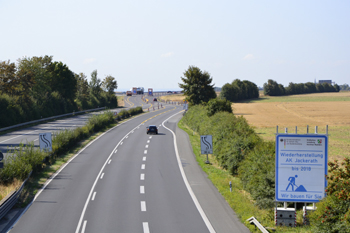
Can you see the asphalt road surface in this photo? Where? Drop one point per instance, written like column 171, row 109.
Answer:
column 129, row 181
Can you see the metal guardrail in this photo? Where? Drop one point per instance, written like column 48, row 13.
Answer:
column 254, row 221
column 10, row 200
column 49, row 118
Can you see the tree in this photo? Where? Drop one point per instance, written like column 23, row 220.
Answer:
column 109, row 84
column 63, row 81
column 197, row 86
column 8, row 78
column 95, row 84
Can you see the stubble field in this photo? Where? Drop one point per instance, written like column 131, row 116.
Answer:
column 322, row 109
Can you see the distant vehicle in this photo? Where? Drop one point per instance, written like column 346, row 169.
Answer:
column 155, row 99
column 174, row 92
column 169, row 92
column 152, row 129
column 140, row 91
column 129, row 93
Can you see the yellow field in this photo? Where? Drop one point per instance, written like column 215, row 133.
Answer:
column 332, row 109
column 175, row 97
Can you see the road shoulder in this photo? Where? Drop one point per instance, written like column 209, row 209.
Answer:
column 219, row 213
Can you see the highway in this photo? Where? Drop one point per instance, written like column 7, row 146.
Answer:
column 129, row 181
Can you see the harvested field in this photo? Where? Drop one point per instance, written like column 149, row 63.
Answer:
column 321, row 109
column 175, row 97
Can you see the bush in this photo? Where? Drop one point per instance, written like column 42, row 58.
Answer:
column 257, row 173
column 218, row 105
column 333, row 212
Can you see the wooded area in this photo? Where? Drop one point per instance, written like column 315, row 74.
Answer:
column 38, row 87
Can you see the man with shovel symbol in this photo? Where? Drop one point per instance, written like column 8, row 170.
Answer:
column 292, row 182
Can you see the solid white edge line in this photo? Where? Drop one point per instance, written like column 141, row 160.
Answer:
column 93, row 196
column 145, row 227
column 194, row 198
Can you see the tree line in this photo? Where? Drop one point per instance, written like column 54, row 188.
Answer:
column 272, row 88
column 38, row 87
column 239, row 90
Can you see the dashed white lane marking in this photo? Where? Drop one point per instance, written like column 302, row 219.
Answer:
column 142, row 177
column 36, row 139
column 115, row 151
column 102, row 175
column 150, row 137
column 145, row 227
column 148, row 141
column 145, row 152
column 126, row 136
column 144, row 158
column 143, row 166
column 93, row 196
column 142, row 189
column 84, row 226
column 146, row 146
column 121, row 143
column 109, row 161
column 143, row 206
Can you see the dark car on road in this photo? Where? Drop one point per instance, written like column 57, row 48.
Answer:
column 152, row 129
column 155, row 99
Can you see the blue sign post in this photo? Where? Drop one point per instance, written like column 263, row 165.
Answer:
column 301, row 167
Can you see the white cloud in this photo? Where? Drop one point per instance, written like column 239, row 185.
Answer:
column 167, row 54
column 89, row 60
column 249, row 57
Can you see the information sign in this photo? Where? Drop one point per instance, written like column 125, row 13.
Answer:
column 45, row 141
column 301, row 167
column 206, row 144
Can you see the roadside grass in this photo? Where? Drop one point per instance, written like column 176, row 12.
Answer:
column 7, row 189
column 239, row 200
column 120, row 101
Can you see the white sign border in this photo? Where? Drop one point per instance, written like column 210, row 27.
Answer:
column 325, row 136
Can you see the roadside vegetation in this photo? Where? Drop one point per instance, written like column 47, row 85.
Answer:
column 39, row 87
column 242, row 155
column 27, row 157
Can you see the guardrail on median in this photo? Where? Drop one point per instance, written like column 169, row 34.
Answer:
column 10, row 200
column 49, row 118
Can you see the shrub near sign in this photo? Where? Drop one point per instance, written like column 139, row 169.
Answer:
column 301, row 167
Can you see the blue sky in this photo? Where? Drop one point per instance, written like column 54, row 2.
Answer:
column 150, row 43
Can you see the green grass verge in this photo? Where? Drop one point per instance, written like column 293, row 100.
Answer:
column 238, row 199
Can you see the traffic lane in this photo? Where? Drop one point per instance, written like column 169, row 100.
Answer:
column 31, row 134
column 218, row 211
column 65, row 196
column 116, row 196
column 170, row 204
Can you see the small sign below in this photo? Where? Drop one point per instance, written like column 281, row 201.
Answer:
column 206, row 144
column 45, row 142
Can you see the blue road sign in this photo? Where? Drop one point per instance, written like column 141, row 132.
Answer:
column 301, row 167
